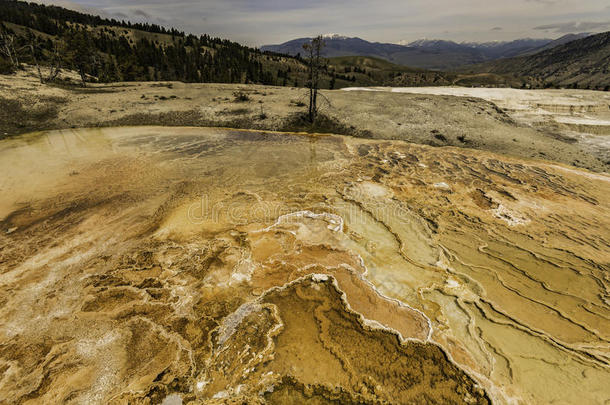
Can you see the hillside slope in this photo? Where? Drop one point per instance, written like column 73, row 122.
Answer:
column 583, row 63
column 553, row 44
column 107, row 50
column 371, row 70
column 110, row 50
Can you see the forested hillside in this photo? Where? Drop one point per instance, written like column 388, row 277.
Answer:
column 115, row 50
column 108, row 50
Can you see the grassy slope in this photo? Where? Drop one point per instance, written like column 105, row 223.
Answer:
column 390, row 74
column 584, row 63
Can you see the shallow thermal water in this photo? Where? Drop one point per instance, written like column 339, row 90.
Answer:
column 149, row 264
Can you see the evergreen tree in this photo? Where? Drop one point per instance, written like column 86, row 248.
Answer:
column 82, row 54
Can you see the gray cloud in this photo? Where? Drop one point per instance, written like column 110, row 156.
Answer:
column 82, row 7
column 574, row 26
column 258, row 22
column 141, row 13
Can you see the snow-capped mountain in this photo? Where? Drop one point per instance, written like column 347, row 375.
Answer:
column 334, row 36
column 490, row 49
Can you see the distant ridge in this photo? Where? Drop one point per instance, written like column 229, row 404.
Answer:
column 559, row 41
column 424, row 53
column 582, row 63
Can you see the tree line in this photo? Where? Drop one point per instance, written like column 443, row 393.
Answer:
column 100, row 48
column 107, row 50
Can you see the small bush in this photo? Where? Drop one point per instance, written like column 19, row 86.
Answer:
column 6, row 67
column 438, row 135
column 240, row 97
column 262, row 114
column 299, row 122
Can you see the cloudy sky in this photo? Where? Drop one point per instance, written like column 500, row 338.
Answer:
column 258, row 22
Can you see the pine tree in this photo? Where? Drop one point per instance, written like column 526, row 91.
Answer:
column 82, row 53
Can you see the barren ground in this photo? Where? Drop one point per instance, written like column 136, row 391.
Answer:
column 511, row 122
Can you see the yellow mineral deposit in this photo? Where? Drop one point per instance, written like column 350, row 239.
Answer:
column 142, row 265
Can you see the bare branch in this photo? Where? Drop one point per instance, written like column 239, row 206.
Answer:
column 314, row 53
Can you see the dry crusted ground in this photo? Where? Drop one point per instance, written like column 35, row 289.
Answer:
column 141, row 265
column 446, row 118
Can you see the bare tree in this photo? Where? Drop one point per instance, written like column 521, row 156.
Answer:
column 313, row 51
column 12, row 50
column 55, row 62
column 32, row 46
column 9, row 49
column 36, row 53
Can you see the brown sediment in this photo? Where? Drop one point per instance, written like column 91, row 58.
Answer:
column 303, row 339
column 221, row 267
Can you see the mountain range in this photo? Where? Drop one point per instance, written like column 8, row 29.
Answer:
column 425, row 54
column 582, row 63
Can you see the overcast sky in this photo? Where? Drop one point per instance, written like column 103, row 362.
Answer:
column 259, row 22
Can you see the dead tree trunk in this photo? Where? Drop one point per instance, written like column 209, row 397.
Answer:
column 32, row 49
column 55, row 66
column 54, row 63
column 7, row 48
column 314, row 54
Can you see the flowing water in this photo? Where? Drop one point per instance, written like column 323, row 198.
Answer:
column 222, row 266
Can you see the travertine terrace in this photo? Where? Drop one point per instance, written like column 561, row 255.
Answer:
column 572, row 116
column 149, row 264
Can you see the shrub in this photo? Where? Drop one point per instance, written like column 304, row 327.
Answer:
column 6, row 67
column 240, row 97
column 262, row 114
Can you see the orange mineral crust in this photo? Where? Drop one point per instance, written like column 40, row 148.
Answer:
column 201, row 265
